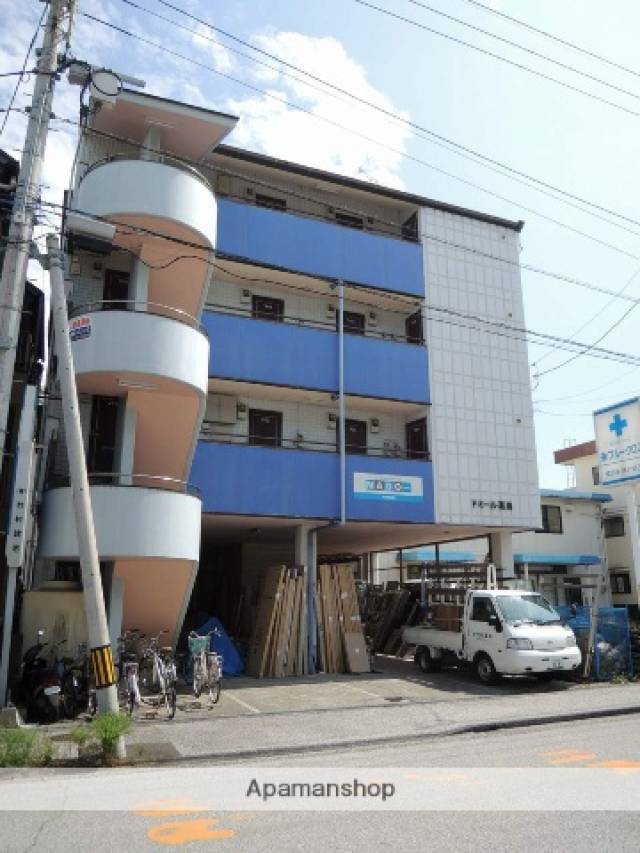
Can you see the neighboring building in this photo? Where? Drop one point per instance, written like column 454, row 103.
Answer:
column 225, row 452
column 17, row 540
column 621, row 523
column 561, row 559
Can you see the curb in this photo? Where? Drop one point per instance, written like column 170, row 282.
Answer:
column 470, row 728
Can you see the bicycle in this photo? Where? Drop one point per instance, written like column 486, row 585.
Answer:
column 164, row 673
column 128, row 666
column 206, row 665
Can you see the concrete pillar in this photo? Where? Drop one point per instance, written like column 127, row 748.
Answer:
column 501, row 542
column 139, row 285
column 634, row 536
column 126, row 442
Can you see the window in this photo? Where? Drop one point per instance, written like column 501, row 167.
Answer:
column 551, row 519
column 620, row 583
column 355, row 438
column 482, row 609
column 614, row 526
column 353, row 322
column 270, row 201
column 266, row 308
column 265, row 428
column 349, row 220
column 595, row 475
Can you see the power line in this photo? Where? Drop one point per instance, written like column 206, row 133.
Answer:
column 524, row 48
column 305, row 197
column 498, row 57
column 460, row 318
column 24, row 66
column 553, row 37
column 417, row 129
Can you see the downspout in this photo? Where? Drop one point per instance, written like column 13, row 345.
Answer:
column 341, row 407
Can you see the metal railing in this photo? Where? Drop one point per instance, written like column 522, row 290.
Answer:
column 163, row 159
column 389, row 449
column 127, row 480
column 325, row 325
column 140, row 307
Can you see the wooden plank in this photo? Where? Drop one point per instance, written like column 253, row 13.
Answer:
column 272, row 585
column 356, row 652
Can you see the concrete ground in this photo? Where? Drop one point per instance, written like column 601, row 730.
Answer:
column 557, row 747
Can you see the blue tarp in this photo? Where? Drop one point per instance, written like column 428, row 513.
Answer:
column 221, row 644
column 612, row 652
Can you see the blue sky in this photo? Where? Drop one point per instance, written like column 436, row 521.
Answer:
column 557, row 135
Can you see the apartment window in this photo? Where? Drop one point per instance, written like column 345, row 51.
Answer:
column 355, row 435
column 270, row 201
column 265, row 428
column 614, row 526
column 413, row 328
column 551, row 519
column 349, row 220
column 266, row 308
column 595, row 475
column 354, row 323
column 620, row 583
column 416, row 435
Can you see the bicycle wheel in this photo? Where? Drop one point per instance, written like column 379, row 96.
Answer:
column 214, row 691
column 170, row 699
column 198, row 678
column 131, row 701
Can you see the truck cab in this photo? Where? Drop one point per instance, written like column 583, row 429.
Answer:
column 502, row 632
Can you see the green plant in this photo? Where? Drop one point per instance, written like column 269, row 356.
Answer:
column 105, row 730
column 24, row 748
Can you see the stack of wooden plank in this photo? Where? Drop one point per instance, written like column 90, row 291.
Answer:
column 341, row 644
column 278, row 644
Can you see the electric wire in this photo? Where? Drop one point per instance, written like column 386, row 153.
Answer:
column 24, row 66
column 498, row 57
column 416, row 128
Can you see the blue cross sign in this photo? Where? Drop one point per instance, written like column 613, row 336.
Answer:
column 618, row 425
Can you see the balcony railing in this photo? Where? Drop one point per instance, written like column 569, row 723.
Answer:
column 139, row 307
column 125, row 480
column 165, row 159
column 390, row 449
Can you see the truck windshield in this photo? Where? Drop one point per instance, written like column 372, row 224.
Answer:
column 527, row 608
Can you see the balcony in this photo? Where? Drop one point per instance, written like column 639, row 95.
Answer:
column 318, row 248
column 136, row 516
column 149, row 192
column 248, row 480
column 150, row 345
column 249, row 350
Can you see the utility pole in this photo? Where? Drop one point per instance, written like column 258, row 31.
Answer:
column 27, row 193
column 97, row 627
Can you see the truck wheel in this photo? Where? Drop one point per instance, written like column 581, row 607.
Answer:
column 485, row 670
column 425, row 661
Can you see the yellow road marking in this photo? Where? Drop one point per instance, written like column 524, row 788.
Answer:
column 184, row 832
column 622, row 765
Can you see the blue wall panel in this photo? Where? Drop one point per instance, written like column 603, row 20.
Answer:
column 283, row 354
column 319, row 248
column 239, row 479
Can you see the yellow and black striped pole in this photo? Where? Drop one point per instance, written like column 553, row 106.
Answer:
column 103, row 669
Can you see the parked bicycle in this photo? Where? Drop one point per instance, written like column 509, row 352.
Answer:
column 206, row 667
column 163, row 674
column 128, row 666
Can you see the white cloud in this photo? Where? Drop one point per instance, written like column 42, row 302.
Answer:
column 269, row 124
column 209, row 44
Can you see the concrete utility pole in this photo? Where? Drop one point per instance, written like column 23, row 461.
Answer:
column 16, row 258
column 97, row 626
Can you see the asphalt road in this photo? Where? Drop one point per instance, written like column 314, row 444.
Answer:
column 607, row 742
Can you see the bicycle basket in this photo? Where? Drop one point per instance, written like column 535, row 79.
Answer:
column 197, row 645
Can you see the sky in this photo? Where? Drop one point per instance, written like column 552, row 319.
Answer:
column 559, row 136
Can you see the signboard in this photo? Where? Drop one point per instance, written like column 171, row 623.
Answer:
column 79, row 328
column 617, row 430
column 387, row 487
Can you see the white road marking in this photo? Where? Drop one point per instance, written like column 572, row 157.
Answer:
column 362, row 690
column 229, row 695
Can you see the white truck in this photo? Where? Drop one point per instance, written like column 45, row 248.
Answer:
column 503, row 632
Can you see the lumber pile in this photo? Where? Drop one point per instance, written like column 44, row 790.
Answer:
column 341, row 644
column 278, row 644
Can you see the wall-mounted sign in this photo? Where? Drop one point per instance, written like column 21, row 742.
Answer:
column 617, row 430
column 481, row 503
column 79, row 328
column 387, row 487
